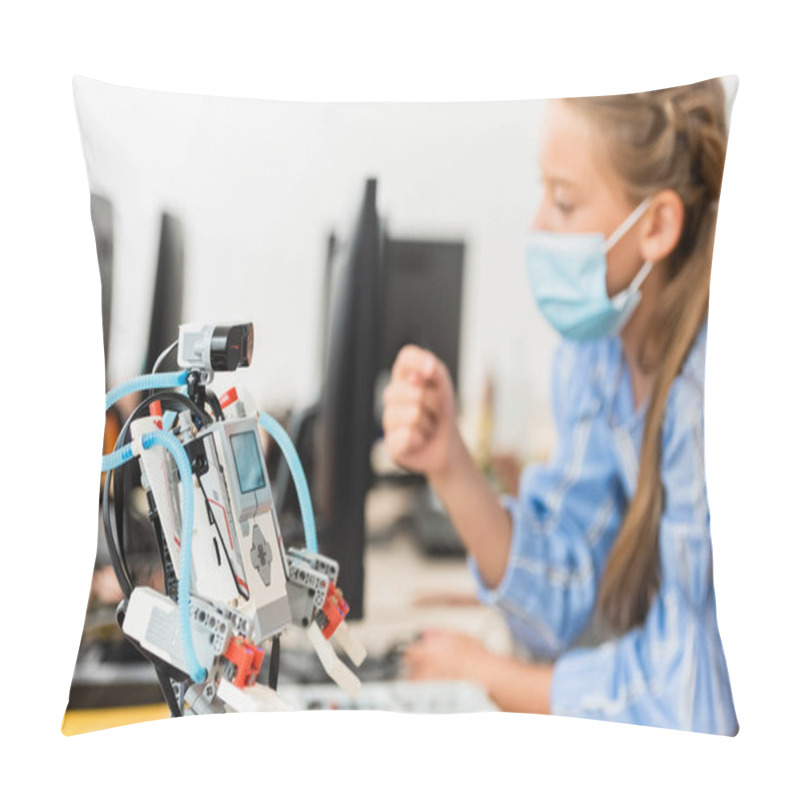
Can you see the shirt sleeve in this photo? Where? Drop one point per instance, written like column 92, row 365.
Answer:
column 671, row 671
column 563, row 521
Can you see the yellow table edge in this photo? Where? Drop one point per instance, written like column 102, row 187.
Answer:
column 87, row 720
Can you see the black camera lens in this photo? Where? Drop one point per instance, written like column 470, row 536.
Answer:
column 231, row 347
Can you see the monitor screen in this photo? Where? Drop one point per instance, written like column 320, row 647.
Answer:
column 422, row 300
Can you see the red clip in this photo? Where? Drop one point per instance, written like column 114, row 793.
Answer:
column 229, row 397
column 246, row 658
column 155, row 411
column 334, row 609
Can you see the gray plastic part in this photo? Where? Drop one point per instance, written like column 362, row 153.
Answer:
column 301, row 602
column 194, row 346
column 261, row 555
column 201, row 698
column 301, row 574
column 316, row 561
column 212, row 627
column 271, row 619
column 217, row 624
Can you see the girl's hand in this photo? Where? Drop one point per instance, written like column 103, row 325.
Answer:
column 419, row 412
column 512, row 685
column 446, row 655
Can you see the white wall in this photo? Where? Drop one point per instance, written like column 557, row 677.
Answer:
column 258, row 186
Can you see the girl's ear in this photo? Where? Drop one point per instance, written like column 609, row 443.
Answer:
column 662, row 227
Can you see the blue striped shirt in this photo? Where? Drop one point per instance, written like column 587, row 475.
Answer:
column 670, row 671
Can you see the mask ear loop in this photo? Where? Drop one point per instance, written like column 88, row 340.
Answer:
column 632, row 219
column 640, row 276
column 635, row 283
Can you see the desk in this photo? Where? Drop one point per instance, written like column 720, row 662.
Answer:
column 86, row 720
column 405, row 593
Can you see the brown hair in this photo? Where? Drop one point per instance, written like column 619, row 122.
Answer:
column 668, row 139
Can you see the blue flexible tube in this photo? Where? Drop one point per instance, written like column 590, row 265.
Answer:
column 167, row 418
column 116, row 459
column 160, row 380
column 119, row 457
column 167, row 440
column 274, row 429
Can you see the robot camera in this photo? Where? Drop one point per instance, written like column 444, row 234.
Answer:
column 215, row 347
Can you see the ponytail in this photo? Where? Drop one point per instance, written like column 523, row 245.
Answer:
column 670, row 139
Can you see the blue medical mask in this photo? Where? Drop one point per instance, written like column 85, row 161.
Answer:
column 567, row 273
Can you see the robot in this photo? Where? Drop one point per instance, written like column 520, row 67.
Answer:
column 231, row 588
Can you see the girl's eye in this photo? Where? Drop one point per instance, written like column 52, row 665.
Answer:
column 562, row 200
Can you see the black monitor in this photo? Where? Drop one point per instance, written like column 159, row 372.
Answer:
column 379, row 294
column 422, row 299
column 346, row 429
column 167, row 308
column 103, row 225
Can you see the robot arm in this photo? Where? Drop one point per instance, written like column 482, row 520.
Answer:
column 327, row 607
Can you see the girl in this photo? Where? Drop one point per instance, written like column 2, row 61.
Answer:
column 614, row 531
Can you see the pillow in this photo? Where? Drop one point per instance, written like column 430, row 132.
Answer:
column 277, row 279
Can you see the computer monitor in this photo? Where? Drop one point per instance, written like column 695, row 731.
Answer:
column 422, row 299
column 380, row 293
column 345, row 427
column 103, row 224
column 167, row 308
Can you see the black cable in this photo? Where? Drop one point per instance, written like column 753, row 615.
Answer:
column 164, row 682
column 123, row 514
column 274, row 663
column 216, row 408
column 122, row 576
column 173, row 402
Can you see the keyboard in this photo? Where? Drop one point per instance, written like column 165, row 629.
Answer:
column 422, row 697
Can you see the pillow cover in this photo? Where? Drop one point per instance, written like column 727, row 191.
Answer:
column 265, row 543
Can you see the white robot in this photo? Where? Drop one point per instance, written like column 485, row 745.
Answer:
column 231, row 588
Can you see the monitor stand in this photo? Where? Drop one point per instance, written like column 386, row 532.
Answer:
column 432, row 527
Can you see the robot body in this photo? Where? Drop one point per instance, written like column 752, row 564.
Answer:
column 244, row 588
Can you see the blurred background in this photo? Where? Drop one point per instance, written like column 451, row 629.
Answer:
column 258, row 187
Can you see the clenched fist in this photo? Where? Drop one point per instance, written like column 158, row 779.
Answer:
column 419, row 419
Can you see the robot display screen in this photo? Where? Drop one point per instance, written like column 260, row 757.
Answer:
column 248, row 462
